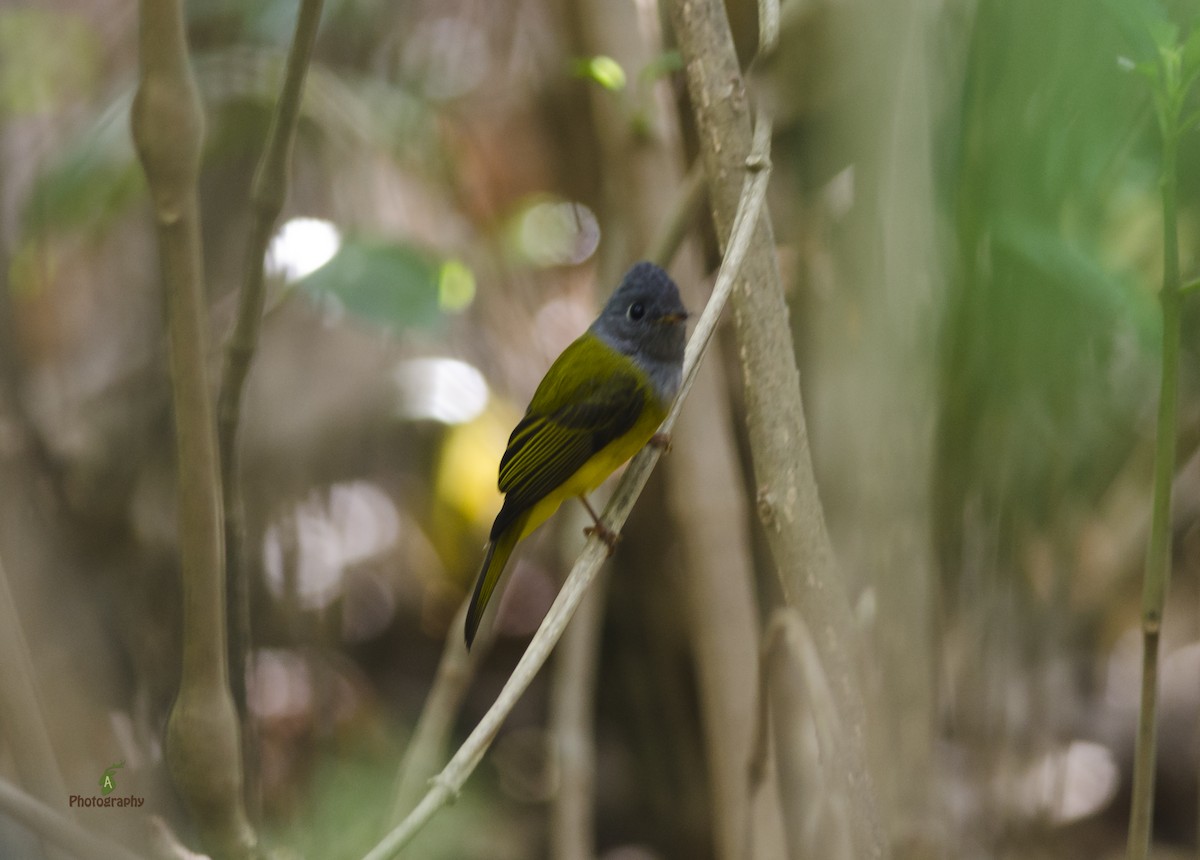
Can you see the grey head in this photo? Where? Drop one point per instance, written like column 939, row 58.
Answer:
column 646, row 320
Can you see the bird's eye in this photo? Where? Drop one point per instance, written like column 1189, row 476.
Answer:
column 636, row 311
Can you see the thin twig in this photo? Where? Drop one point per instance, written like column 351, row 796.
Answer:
column 447, row 784
column 572, row 704
column 203, row 749
column 799, row 699
column 425, row 747
column 21, row 714
column 1158, row 551
column 56, row 828
column 267, row 194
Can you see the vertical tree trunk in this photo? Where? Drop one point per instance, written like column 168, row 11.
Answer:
column 202, row 746
column 788, row 503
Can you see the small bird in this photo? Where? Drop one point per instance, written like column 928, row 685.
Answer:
column 598, row 404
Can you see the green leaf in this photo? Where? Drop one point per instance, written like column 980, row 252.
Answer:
column 393, row 285
column 605, row 71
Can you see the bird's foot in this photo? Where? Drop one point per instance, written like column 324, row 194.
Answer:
column 610, row 537
column 599, row 529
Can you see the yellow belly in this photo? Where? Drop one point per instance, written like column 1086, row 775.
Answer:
column 595, row 471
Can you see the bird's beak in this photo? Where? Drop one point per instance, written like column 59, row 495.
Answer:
column 674, row 318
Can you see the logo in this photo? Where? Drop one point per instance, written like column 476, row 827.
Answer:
column 106, row 781
column 108, row 785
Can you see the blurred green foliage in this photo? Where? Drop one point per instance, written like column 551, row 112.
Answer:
column 605, row 71
column 1051, row 331
column 390, row 284
column 351, row 794
column 92, row 180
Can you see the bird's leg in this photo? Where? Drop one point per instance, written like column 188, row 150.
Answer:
column 600, row 530
column 661, row 441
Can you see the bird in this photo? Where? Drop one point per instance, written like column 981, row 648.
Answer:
column 599, row 403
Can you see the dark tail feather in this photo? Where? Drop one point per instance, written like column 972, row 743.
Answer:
column 494, row 561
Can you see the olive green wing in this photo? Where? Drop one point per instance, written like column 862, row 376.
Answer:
column 560, row 432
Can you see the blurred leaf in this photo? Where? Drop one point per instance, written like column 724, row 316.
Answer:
column 456, row 285
column 390, row 284
column 46, row 59
column 1048, row 350
column 1146, row 69
column 1164, row 33
column 1086, row 285
column 93, row 179
column 605, row 71
column 348, row 792
column 345, row 798
column 1144, row 24
column 1191, row 53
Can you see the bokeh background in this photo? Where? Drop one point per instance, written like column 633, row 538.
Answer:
column 966, row 206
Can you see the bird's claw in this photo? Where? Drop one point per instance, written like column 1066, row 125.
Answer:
column 610, row 537
column 661, row 441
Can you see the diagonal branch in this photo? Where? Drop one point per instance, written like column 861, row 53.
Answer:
column 21, row 711
column 267, row 194
column 447, row 784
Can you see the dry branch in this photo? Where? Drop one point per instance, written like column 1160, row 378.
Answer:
column 267, row 195
column 268, row 191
